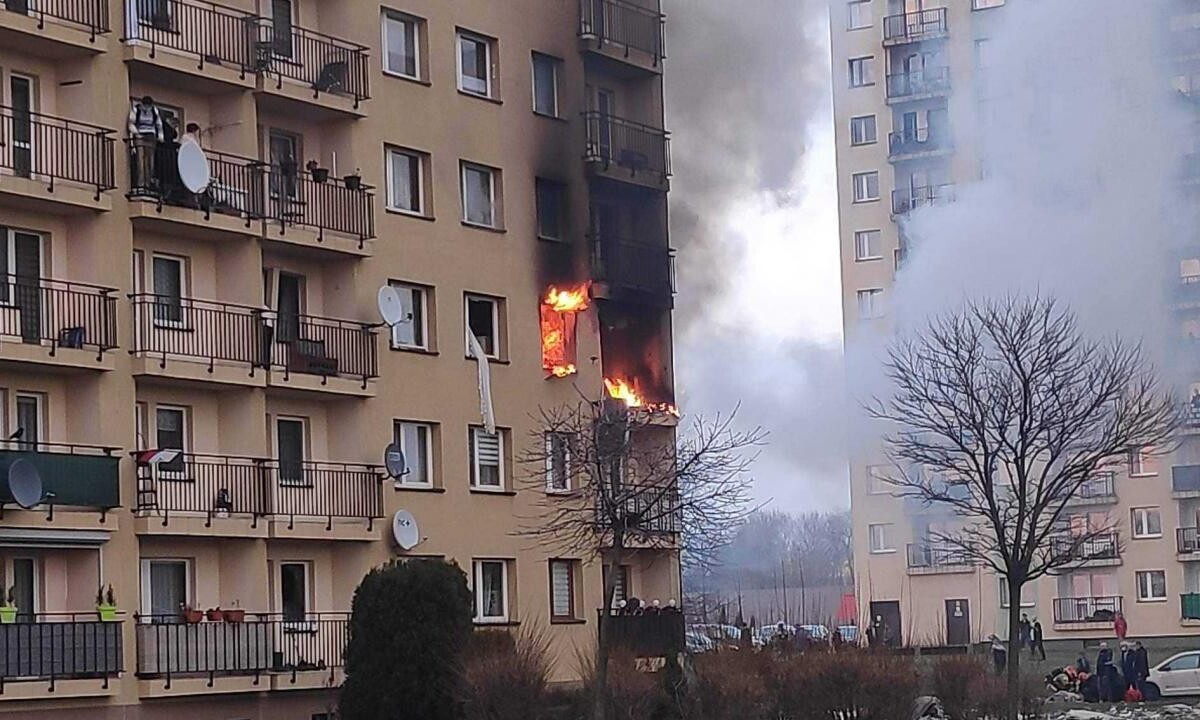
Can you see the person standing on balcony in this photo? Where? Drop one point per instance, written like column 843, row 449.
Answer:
column 145, row 127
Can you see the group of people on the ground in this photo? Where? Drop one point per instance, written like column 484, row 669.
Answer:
column 1029, row 635
column 1113, row 679
column 634, row 606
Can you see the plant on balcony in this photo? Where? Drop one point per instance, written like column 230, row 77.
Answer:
column 235, row 615
column 8, row 611
column 191, row 615
column 319, row 174
column 215, row 614
column 106, row 603
column 353, row 181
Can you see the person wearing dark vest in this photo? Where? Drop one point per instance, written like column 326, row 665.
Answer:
column 1037, row 644
column 145, row 127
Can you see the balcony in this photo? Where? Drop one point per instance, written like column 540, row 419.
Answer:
column 74, row 477
column 649, row 514
column 55, row 28
column 229, row 496
column 937, row 558
column 59, row 655
column 329, row 215
column 906, row 200
column 1187, row 543
column 198, row 340
column 233, row 204
column 1095, row 550
column 56, row 323
column 1189, row 606
column 633, row 271
column 624, row 34
column 917, row 142
column 1086, row 611
column 1185, row 479
column 1100, row 489
column 918, row 84
column 646, row 635
column 210, row 44
column 57, row 164
column 179, row 658
column 915, row 27
column 306, row 70
column 322, row 354
column 627, row 151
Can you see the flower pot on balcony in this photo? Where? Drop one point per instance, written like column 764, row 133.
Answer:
column 215, row 614
column 235, row 616
column 320, row 174
column 8, row 614
column 107, row 613
column 353, row 182
column 191, row 616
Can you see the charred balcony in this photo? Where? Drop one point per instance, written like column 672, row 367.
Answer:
column 642, row 511
column 627, row 151
column 631, row 271
column 915, row 27
column 918, row 84
column 905, row 200
column 1187, row 543
column 623, row 32
column 1099, row 489
column 918, row 142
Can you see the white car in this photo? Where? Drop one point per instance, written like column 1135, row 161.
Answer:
column 1177, row 675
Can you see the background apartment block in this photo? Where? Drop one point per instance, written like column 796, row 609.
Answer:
column 898, row 66
column 457, row 151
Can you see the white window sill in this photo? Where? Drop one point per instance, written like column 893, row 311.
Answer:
column 1143, row 474
column 1148, row 537
column 419, row 214
column 494, row 489
column 864, row 201
column 405, row 76
column 1152, row 600
column 884, row 551
column 560, row 491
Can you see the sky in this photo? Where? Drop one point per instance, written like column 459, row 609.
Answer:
column 754, row 219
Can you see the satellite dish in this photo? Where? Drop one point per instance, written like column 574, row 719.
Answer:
column 193, row 167
column 390, row 307
column 404, row 529
column 393, row 460
column 25, row 483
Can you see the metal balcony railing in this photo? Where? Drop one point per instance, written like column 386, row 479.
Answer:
column 623, row 23
column 652, row 511
column 89, row 14
column 1099, row 486
column 168, row 327
column 58, row 313
column 626, row 144
column 1086, row 609
column 1187, row 540
column 44, row 147
column 312, row 345
column 656, row 635
column 1189, row 606
column 1103, row 546
column 324, row 489
column 59, row 646
column 915, row 26
column 324, row 63
column 933, row 556
column 236, row 185
column 917, row 140
column 632, row 265
column 906, row 200
column 81, row 476
column 918, row 82
column 295, row 198
column 213, row 34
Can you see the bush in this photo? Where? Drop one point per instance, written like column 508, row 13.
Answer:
column 956, row 681
column 408, row 625
column 632, row 693
column 730, row 685
column 848, row 683
column 505, row 676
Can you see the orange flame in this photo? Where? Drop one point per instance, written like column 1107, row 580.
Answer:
column 567, row 299
column 559, row 307
column 622, row 390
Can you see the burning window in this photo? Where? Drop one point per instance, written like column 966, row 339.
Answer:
column 558, row 317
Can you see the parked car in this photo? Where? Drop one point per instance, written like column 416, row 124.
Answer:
column 816, row 632
column 1177, row 675
column 849, row 633
column 697, row 642
column 767, row 633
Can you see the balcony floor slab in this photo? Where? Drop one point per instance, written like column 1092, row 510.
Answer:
column 39, row 356
column 193, row 371
column 313, row 528
column 311, row 240
column 65, row 199
column 167, row 66
column 190, row 222
column 53, row 39
column 71, row 520
column 278, row 379
column 179, row 686
column 198, row 524
column 63, row 689
column 295, row 97
column 308, row 679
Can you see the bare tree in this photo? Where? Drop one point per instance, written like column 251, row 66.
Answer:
column 1003, row 413
column 611, row 480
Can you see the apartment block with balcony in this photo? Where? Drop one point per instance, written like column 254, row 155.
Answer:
column 908, row 77
column 199, row 376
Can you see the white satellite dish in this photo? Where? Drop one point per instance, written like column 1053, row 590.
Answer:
column 404, row 530
column 25, row 483
column 193, row 167
column 391, row 309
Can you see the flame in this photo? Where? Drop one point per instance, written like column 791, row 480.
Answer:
column 567, row 299
column 558, row 310
column 622, row 390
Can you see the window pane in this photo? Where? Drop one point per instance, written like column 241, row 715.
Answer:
column 410, row 331
column 168, row 289
column 405, row 178
column 491, row 589
column 414, row 442
column 477, row 187
column 866, row 244
column 481, row 322
column 473, row 56
column 486, row 460
column 290, row 447
column 558, row 459
column 401, row 46
column 545, row 99
column 560, row 588
column 293, row 590
column 169, row 423
column 25, row 588
column 168, row 588
column 862, row 130
column 549, row 209
column 29, row 421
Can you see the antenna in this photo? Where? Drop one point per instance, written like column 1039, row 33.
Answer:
column 404, row 530
column 393, row 461
column 25, row 483
column 391, row 309
column 193, row 167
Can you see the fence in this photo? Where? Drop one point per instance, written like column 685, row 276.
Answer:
column 915, row 26
column 296, row 198
column 59, row 313
column 627, row 144
column 174, row 327
column 324, row 63
column 33, row 145
column 314, row 345
column 235, row 186
column 213, row 34
column 623, row 23
column 59, row 646
column 634, row 265
column 1086, row 609
column 90, row 14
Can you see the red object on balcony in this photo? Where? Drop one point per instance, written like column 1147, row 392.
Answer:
column 848, row 608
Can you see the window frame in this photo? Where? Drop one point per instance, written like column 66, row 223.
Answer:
column 309, row 596
column 866, row 76
column 572, row 613
column 501, row 474
column 568, row 458
column 539, row 183
column 477, row 590
column 850, row 26
column 876, row 309
column 874, row 123
column 495, row 302
column 1149, row 575
column 300, row 481
column 1144, row 467
column 189, row 581
column 866, row 198
column 389, row 178
column 554, row 63
column 886, row 548
column 1139, row 524
column 423, row 292
column 396, row 16
column 40, row 400
column 494, row 177
column 185, row 428
column 876, row 484
column 181, row 264
column 986, row 4
column 878, row 255
column 489, row 48
column 398, row 436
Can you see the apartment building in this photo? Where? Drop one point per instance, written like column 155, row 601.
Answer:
column 899, row 65
column 193, row 367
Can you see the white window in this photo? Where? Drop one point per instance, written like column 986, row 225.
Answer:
column 491, row 590
column 487, row 459
column 860, row 15
column 866, row 244
column 1151, row 585
column 877, row 483
column 412, row 332
column 862, row 71
column 1028, row 593
column 881, row 538
column 166, row 589
column 545, row 85
column 479, row 195
column 31, row 420
column 1141, row 462
column 558, row 461
column 863, row 130
column 406, row 181
column 870, row 303
column 169, row 289
column 401, row 36
column 562, row 589
column 985, row 4
column 1147, row 522
column 483, row 321
column 866, row 186
column 416, row 442
column 551, row 201
column 475, row 64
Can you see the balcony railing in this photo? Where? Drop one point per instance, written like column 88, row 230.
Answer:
column 213, row 34
column 222, row 486
column 59, row 646
column 1189, row 606
column 1100, row 486
column 908, row 199
column 928, row 81
column 295, row 198
column 934, row 556
column 623, row 23
column 1185, row 478
column 312, row 345
column 260, row 643
column 632, row 265
column 1187, row 540
column 628, row 145
column 324, row 63
column 1102, row 546
column 89, row 14
column 44, row 147
column 646, row 635
column 915, row 26
column 168, row 327
column 82, row 476
column 916, row 140
column 235, row 186
column 58, row 313
column 650, row 512
column 1086, row 609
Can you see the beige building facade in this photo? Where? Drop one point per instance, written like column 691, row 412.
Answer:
column 220, row 302
column 899, row 66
